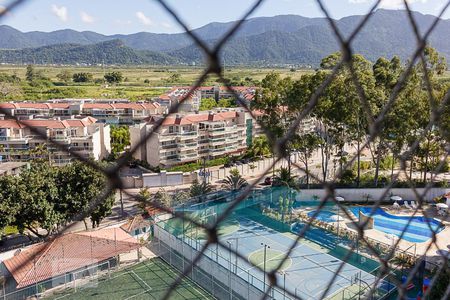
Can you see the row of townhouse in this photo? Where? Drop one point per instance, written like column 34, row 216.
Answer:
column 191, row 102
column 21, row 141
column 192, row 137
column 110, row 112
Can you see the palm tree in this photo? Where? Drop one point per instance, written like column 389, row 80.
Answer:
column 199, row 189
column 234, row 181
column 260, row 147
column 284, row 177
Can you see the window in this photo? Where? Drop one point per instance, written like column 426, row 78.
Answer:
column 136, row 232
column 144, row 229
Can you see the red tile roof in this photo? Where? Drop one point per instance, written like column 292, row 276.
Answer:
column 51, row 124
column 136, row 222
column 11, row 124
column 97, row 105
column 59, row 105
column 7, row 105
column 196, row 118
column 68, row 253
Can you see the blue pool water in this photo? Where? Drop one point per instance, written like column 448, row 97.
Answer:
column 417, row 231
column 324, row 215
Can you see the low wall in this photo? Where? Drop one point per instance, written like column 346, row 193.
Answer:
column 374, row 194
column 162, row 179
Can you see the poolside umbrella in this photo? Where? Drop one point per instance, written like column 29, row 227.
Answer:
column 396, row 198
column 340, row 199
column 336, row 218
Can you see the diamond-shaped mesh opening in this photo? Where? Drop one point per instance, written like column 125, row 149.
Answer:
column 378, row 283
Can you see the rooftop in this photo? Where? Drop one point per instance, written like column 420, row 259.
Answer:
column 68, row 253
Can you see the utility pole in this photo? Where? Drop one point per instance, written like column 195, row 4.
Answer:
column 264, row 266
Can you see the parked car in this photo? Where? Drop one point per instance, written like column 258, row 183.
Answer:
column 268, row 181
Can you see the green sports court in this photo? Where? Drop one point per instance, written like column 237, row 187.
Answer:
column 147, row 280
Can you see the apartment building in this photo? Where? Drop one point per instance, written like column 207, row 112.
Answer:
column 120, row 112
column 192, row 137
column 192, row 103
column 180, row 95
column 18, row 141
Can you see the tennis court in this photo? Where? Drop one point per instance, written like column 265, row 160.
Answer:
column 146, row 280
column 306, row 273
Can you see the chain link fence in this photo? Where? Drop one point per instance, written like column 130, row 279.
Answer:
column 375, row 128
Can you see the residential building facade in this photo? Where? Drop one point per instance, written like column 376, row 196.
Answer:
column 118, row 112
column 27, row 139
column 191, row 102
column 192, row 137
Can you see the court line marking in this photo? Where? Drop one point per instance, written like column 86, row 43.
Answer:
column 296, row 249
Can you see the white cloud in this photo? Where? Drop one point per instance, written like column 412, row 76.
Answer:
column 144, row 19
column 60, row 12
column 86, row 18
column 390, row 3
column 166, row 25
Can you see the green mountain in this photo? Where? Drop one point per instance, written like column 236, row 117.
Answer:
column 109, row 52
column 285, row 39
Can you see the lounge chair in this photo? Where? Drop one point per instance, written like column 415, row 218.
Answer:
column 414, row 204
column 396, row 206
column 407, row 205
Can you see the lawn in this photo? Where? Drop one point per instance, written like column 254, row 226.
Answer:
column 147, row 280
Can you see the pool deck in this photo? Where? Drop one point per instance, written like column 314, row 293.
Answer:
column 424, row 248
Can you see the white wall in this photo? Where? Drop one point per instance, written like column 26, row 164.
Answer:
column 162, row 179
column 375, row 194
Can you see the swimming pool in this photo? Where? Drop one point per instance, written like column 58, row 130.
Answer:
column 417, row 231
column 324, row 215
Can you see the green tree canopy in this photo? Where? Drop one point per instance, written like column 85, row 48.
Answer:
column 114, row 77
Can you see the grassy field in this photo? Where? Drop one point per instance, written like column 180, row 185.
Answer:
column 140, row 83
column 147, row 280
column 157, row 76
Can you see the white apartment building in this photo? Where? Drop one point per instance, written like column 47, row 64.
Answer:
column 192, row 103
column 192, row 137
column 118, row 112
column 86, row 137
column 180, row 95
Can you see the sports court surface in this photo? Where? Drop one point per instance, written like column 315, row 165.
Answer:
column 146, row 280
column 306, row 273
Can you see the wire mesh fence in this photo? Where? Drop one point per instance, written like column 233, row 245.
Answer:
column 272, row 284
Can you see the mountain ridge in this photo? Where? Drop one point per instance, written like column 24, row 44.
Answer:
column 285, row 39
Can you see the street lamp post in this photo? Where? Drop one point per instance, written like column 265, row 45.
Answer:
column 229, row 275
column 264, row 266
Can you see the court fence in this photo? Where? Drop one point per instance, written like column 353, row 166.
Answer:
column 220, row 272
column 222, row 276
column 81, row 278
column 371, row 127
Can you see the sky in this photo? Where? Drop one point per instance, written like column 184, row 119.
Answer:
column 119, row 16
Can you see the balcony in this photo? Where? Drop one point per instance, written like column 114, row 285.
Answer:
column 217, row 141
column 14, row 140
column 169, row 146
column 167, row 136
column 60, row 139
column 81, row 148
column 189, row 145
